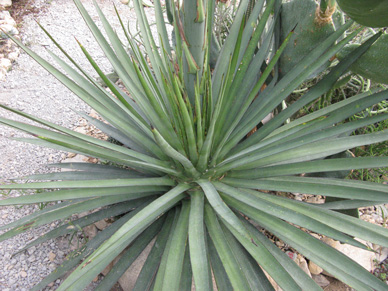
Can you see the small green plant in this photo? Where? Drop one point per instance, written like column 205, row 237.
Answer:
column 190, row 174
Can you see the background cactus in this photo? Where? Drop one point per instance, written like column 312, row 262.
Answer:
column 374, row 63
column 372, row 13
column 312, row 26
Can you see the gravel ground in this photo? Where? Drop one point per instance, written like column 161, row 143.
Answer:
column 29, row 88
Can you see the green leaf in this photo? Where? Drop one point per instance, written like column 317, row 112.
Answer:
column 265, row 104
column 106, row 183
column 187, row 275
column 176, row 251
column 161, row 267
column 331, row 260
column 74, row 258
column 344, row 223
column 152, row 264
column 74, row 225
column 299, row 150
column 81, row 175
column 220, row 276
column 317, row 186
column 316, row 91
column 256, row 278
column 222, row 210
column 257, row 201
column 59, row 211
column 328, row 165
column 226, row 255
column 129, row 192
column 130, row 255
column 197, row 243
column 300, row 277
column 171, row 152
column 95, row 263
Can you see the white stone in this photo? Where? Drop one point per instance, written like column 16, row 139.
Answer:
column 13, row 56
column 81, row 129
column 6, row 64
column 5, row 3
column 9, row 29
column 302, row 263
column 125, row 2
column 3, row 72
column 6, row 18
column 382, row 253
column 363, row 257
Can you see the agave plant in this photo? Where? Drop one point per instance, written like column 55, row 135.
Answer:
column 187, row 174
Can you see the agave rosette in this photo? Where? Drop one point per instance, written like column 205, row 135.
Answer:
column 185, row 171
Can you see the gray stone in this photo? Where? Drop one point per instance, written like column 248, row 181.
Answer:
column 314, row 269
column 90, row 231
column 321, row 280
